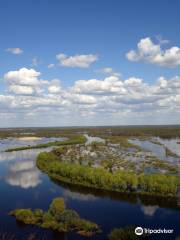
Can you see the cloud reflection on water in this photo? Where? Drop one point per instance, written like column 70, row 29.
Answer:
column 23, row 174
column 78, row 196
column 149, row 210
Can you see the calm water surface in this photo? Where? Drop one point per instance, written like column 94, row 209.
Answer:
column 22, row 185
column 159, row 150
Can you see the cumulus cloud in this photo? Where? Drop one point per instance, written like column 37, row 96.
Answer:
column 24, row 81
column 54, row 87
column 108, row 100
column 23, row 76
column 132, row 81
column 149, row 52
column 109, row 85
column 17, row 89
column 109, row 71
column 15, row 51
column 80, row 61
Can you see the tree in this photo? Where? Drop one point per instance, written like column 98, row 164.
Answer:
column 126, row 233
column 57, row 207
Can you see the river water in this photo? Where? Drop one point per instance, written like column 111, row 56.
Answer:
column 22, row 185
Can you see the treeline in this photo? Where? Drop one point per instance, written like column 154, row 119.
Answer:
column 58, row 217
column 99, row 178
column 74, row 139
column 143, row 131
column 164, row 131
column 38, row 132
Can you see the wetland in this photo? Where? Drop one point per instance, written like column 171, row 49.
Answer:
column 111, row 177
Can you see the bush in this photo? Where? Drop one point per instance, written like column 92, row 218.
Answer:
column 24, row 215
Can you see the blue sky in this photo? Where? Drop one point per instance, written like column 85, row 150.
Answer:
column 103, row 30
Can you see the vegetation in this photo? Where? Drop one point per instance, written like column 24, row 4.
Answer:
column 74, row 139
column 171, row 168
column 170, row 153
column 99, row 178
column 122, row 140
column 169, row 131
column 56, row 218
column 126, row 233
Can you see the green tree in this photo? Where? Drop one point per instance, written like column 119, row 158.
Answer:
column 57, row 207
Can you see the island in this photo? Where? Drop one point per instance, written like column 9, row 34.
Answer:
column 58, row 217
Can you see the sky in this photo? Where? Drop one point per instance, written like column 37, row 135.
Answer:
column 77, row 63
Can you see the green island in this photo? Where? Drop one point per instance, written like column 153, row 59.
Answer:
column 58, row 217
column 111, row 160
column 100, row 178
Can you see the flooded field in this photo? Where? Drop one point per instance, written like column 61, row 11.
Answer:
column 165, row 150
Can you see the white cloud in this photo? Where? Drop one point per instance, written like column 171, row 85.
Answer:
column 109, row 71
column 104, row 101
column 15, row 51
column 22, row 90
column 51, row 65
column 81, row 61
column 54, row 87
column 83, row 99
column 132, row 81
column 109, row 85
column 152, row 53
column 23, row 76
column 24, row 81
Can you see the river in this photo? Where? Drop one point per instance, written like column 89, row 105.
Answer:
column 22, row 185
